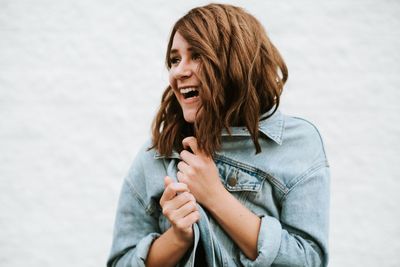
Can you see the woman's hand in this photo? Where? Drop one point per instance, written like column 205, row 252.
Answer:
column 179, row 206
column 199, row 172
column 201, row 175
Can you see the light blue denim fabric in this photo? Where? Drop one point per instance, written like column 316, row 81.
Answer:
column 286, row 185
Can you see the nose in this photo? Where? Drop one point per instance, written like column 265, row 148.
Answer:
column 184, row 70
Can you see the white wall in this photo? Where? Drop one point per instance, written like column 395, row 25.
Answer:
column 80, row 82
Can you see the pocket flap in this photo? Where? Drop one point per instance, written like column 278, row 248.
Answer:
column 236, row 179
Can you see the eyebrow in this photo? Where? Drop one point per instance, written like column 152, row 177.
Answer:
column 175, row 51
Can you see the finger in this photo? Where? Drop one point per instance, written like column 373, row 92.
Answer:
column 172, row 190
column 189, row 220
column 179, row 201
column 188, row 157
column 167, row 180
column 183, row 166
column 183, row 178
column 184, row 210
column 171, row 207
column 191, row 142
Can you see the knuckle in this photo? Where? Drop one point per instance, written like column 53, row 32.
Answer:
column 181, row 177
column 172, row 219
column 169, row 188
column 172, row 187
column 181, row 197
column 179, row 224
column 197, row 164
column 164, row 212
column 186, row 196
column 185, row 185
column 180, row 164
column 191, row 171
column 184, row 153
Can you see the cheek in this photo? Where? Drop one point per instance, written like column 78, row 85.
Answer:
column 177, row 98
column 172, row 80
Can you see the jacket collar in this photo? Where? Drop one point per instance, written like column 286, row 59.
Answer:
column 271, row 127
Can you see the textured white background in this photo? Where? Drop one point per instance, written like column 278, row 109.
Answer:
column 80, row 82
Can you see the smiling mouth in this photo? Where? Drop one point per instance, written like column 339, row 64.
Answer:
column 189, row 92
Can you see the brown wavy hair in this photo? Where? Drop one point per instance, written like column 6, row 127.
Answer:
column 241, row 73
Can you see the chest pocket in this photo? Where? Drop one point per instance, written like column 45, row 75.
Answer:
column 236, row 179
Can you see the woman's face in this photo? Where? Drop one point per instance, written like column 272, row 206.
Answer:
column 183, row 76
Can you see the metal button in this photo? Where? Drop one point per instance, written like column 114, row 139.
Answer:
column 232, row 181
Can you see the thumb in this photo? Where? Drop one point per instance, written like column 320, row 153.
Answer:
column 190, row 142
column 167, row 181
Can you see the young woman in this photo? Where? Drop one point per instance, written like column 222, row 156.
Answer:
column 227, row 180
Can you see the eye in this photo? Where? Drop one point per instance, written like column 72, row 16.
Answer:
column 174, row 60
column 196, row 56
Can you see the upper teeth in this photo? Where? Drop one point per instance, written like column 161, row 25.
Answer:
column 187, row 90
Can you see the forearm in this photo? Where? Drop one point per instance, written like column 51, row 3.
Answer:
column 231, row 214
column 167, row 250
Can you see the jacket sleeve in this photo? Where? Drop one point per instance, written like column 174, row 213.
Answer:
column 135, row 228
column 300, row 236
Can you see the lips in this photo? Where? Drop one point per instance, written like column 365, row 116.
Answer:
column 189, row 100
column 189, row 92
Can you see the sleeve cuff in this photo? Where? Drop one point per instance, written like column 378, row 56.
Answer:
column 143, row 247
column 269, row 241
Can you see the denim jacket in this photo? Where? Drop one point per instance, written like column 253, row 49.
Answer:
column 286, row 185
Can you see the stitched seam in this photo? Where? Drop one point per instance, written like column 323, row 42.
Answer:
column 136, row 195
column 319, row 135
column 303, row 177
column 280, row 137
column 252, row 171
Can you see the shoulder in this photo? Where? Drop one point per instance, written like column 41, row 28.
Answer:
column 145, row 153
column 303, row 143
column 146, row 170
column 302, row 131
column 301, row 152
